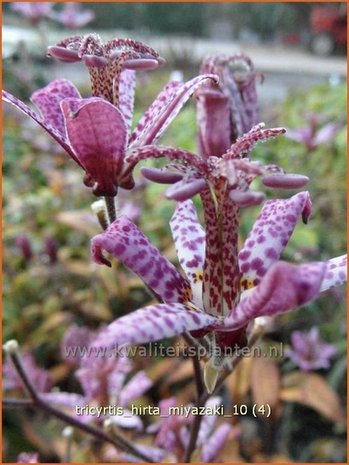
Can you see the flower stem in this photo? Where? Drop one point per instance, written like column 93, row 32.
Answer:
column 203, row 395
column 118, row 441
column 110, row 205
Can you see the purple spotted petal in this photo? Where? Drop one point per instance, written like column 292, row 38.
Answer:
column 127, row 91
column 54, row 133
column 97, row 133
column 124, row 241
column 336, row 273
column 215, row 443
column 283, row 288
column 161, row 102
column 189, row 238
column 270, row 234
column 48, row 99
column 135, row 388
column 164, row 109
column 153, row 323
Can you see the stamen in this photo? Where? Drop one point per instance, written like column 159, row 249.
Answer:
column 285, row 181
column 247, row 198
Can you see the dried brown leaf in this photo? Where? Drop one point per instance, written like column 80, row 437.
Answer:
column 238, row 383
column 312, row 390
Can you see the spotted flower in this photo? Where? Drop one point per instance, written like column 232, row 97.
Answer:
column 224, row 289
column 105, row 61
column 96, row 134
column 229, row 110
column 309, row 352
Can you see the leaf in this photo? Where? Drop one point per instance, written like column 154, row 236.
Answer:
column 312, row 390
column 80, row 220
column 265, row 382
column 239, row 381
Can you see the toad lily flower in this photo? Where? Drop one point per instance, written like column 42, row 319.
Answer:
column 230, row 110
column 95, row 133
column 105, row 61
column 215, row 303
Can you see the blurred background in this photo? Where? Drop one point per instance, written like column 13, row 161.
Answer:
column 48, row 282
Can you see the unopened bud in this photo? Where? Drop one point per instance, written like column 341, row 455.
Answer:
column 11, row 347
column 68, row 432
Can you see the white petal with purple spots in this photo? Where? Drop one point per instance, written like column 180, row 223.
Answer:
column 135, row 388
column 269, row 236
column 336, row 273
column 164, row 109
column 153, row 323
column 126, row 95
column 54, row 133
column 123, row 240
column 189, row 238
column 283, row 288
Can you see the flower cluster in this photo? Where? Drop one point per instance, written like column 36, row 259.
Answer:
column 226, row 284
